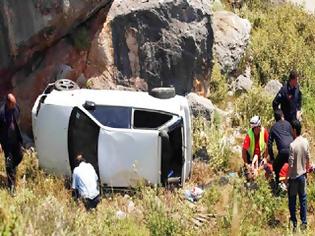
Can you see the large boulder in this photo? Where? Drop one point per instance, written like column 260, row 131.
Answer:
column 161, row 42
column 27, row 27
column 200, row 106
column 231, row 35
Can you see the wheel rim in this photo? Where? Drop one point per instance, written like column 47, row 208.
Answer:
column 65, row 84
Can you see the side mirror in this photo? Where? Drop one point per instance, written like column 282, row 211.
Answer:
column 88, row 105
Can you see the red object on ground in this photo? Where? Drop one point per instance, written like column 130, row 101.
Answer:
column 284, row 171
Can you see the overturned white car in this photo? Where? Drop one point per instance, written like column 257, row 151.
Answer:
column 127, row 136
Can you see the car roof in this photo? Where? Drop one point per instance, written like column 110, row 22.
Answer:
column 134, row 99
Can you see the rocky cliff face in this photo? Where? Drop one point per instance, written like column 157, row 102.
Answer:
column 138, row 44
column 28, row 27
column 155, row 43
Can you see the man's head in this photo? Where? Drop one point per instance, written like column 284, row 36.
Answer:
column 296, row 128
column 79, row 158
column 255, row 124
column 278, row 115
column 10, row 101
column 293, row 78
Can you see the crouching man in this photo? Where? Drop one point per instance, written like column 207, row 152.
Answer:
column 85, row 183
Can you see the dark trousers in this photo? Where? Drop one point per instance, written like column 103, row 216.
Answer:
column 13, row 157
column 278, row 163
column 91, row 203
column 297, row 187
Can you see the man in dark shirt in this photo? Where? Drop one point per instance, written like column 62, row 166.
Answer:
column 10, row 138
column 289, row 98
column 281, row 133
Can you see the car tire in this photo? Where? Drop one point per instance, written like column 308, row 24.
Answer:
column 163, row 92
column 65, row 84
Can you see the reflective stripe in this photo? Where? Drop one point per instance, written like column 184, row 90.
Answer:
column 262, row 143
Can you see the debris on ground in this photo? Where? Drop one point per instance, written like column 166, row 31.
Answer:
column 193, row 194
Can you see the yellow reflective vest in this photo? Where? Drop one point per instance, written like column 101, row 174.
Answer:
column 262, row 143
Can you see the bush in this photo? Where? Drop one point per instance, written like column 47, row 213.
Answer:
column 217, row 85
column 256, row 102
column 207, row 135
column 283, row 38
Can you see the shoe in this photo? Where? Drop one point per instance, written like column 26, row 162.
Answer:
column 12, row 190
column 293, row 226
column 303, row 227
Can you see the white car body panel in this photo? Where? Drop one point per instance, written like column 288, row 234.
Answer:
column 121, row 159
column 124, row 155
column 50, row 139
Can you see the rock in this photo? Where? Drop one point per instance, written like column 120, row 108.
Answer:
column 28, row 27
column 162, row 42
column 200, row 106
column 60, row 61
column 273, row 87
column 63, row 72
column 308, row 5
column 231, row 35
column 243, row 84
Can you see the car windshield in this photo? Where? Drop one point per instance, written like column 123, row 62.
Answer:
column 111, row 116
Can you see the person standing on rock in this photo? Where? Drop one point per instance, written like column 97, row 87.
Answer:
column 298, row 166
column 255, row 143
column 289, row 99
column 281, row 133
column 10, row 138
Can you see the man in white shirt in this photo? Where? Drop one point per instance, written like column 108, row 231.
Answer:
column 85, row 183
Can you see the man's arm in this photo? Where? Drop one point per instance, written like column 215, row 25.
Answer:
column 291, row 160
column 270, row 143
column 244, row 155
column 307, row 157
column 299, row 106
column 75, row 193
column 277, row 100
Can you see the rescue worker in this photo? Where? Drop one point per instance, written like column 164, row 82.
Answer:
column 281, row 133
column 289, row 99
column 255, row 142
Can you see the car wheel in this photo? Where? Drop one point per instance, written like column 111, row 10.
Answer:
column 163, row 92
column 65, row 84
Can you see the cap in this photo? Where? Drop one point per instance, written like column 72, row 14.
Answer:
column 255, row 121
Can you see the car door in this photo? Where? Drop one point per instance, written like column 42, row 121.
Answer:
column 127, row 156
column 83, row 135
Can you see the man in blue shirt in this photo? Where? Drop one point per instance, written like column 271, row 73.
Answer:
column 289, row 99
column 280, row 132
column 85, row 183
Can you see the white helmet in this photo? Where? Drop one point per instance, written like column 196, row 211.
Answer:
column 255, row 121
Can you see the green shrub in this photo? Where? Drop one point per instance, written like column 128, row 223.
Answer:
column 255, row 102
column 209, row 136
column 217, row 85
column 282, row 39
column 211, row 197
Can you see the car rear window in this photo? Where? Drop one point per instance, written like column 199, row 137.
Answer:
column 150, row 119
column 112, row 116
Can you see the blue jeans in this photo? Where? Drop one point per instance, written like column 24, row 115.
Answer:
column 297, row 187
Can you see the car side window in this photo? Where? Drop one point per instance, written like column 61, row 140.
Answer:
column 150, row 119
column 112, row 116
